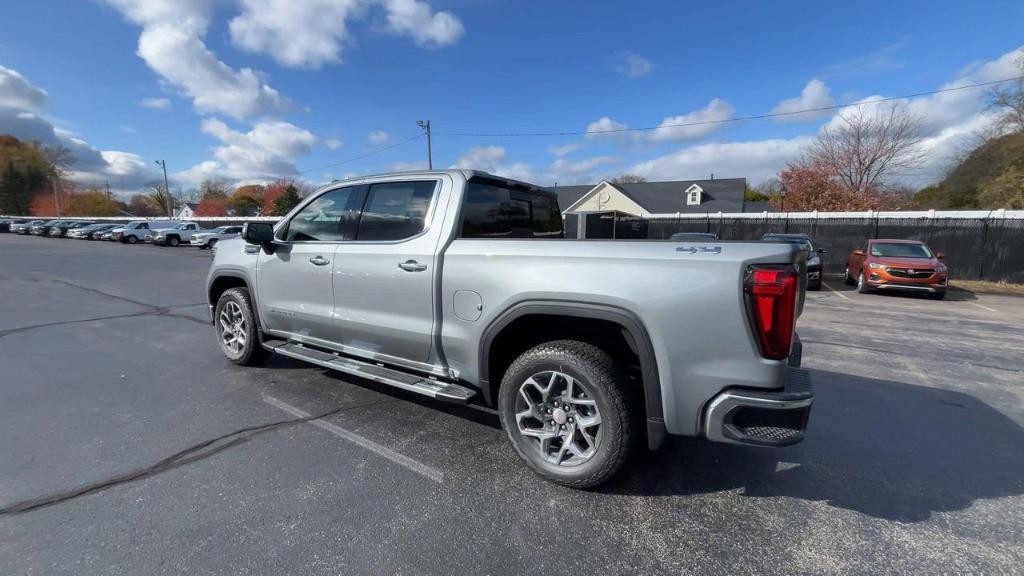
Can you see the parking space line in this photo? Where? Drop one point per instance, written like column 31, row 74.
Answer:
column 838, row 293
column 400, row 459
column 983, row 307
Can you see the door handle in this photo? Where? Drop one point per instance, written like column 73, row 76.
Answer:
column 319, row 261
column 412, row 266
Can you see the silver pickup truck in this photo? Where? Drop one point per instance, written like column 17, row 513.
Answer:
column 459, row 285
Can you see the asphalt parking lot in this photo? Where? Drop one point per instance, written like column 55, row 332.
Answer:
column 131, row 446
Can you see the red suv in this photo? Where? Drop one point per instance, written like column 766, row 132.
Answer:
column 897, row 265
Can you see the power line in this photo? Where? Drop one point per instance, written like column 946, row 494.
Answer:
column 728, row 120
column 360, row 157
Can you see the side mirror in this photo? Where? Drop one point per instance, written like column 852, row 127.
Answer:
column 822, row 251
column 858, row 252
column 259, row 233
column 940, row 255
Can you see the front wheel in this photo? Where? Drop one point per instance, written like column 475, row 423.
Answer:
column 568, row 412
column 862, row 286
column 173, row 241
column 236, row 329
column 132, row 239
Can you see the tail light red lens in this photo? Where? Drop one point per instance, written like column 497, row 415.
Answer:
column 771, row 303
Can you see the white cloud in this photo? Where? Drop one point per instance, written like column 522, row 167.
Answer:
column 155, row 103
column 17, row 92
column 378, row 138
column 484, row 158
column 298, row 34
column 333, row 143
column 171, row 43
column 427, row 28
column 701, row 122
column 408, row 166
column 756, row 160
column 605, row 127
column 312, row 33
column 571, row 169
column 268, row 150
column 884, row 59
column 814, row 95
column 21, row 105
column 564, row 149
column 634, row 66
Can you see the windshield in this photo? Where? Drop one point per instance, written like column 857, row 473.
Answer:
column 804, row 243
column 900, row 250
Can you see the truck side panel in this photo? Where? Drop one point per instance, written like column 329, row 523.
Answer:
column 690, row 304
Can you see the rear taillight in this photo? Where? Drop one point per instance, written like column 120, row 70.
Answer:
column 771, row 293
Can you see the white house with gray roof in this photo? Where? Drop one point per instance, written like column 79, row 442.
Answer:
column 654, row 199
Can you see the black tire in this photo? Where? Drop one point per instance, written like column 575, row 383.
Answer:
column 847, row 279
column 131, row 239
column 620, row 410
column 937, row 295
column 814, row 285
column 173, row 241
column 211, row 243
column 862, row 286
column 251, row 353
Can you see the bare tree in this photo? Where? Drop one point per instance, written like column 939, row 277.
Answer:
column 59, row 162
column 628, row 179
column 868, row 145
column 1008, row 99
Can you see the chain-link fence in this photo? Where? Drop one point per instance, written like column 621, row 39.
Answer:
column 975, row 248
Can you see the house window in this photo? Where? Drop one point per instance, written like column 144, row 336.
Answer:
column 693, row 195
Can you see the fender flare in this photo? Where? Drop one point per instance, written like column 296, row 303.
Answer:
column 630, row 323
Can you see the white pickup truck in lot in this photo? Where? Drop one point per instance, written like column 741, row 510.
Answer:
column 459, row 285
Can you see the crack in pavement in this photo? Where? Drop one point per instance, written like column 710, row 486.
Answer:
column 152, row 309
column 194, row 453
column 164, row 312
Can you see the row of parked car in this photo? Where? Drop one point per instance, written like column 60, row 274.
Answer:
column 161, row 233
column 877, row 265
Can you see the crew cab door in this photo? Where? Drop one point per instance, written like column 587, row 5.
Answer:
column 384, row 279
column 294, row 284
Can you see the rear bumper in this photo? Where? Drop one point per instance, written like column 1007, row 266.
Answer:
column 759, row 417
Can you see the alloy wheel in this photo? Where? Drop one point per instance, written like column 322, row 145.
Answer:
column 232, row 328
column 559, row 417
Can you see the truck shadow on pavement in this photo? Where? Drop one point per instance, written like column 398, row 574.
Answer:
column 885, row 449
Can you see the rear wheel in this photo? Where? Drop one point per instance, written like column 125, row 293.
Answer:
column 235, row 324
column 132, row 239
column 211, row 243
column 847, row 278
column 173, row 241
column 566, row 409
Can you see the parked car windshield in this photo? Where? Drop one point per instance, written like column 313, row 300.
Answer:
column 802, row 242
column 901, row 250
column 694, row 236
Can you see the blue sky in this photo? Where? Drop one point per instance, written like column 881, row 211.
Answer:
column 252, row 89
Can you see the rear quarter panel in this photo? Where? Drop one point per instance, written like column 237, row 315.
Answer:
column 691, row 305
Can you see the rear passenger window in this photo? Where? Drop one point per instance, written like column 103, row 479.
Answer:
column 395, row 210
column 321, row 219
column 493, row 210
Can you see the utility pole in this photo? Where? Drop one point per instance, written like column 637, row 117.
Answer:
column 425, row 124
column 108, row 189
column 167, row 189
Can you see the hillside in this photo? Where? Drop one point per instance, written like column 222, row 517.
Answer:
column 992, row 176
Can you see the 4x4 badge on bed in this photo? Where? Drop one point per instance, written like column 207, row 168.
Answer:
column 702, row 249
